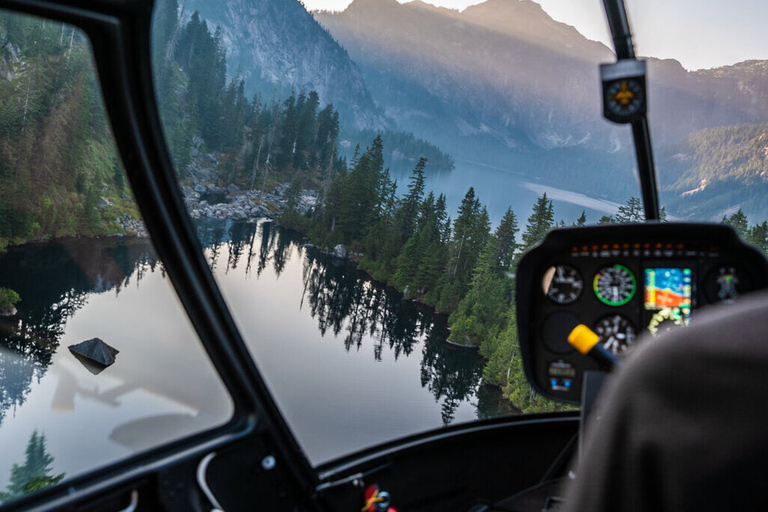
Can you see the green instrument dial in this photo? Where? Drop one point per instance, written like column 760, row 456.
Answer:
column 614, row 285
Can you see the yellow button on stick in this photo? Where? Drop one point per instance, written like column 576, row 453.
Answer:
column 583, row 338
column 586, row 341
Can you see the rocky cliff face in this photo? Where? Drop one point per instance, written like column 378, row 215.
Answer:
column 277, row 46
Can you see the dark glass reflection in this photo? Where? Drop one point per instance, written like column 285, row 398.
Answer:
column 54, row 281
column 34, row 473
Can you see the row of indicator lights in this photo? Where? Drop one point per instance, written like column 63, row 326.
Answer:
column 560, row 384
column 636, row 246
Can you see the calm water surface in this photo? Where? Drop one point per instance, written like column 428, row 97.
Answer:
column 350, row 363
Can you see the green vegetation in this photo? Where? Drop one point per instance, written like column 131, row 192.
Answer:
column 8, row 299
column 257, row 143
column 405, row 146
column 34, row 474
column 630, row 213
column 717, row 169
column 458, row 267
column 59, row 171
column 757, row 234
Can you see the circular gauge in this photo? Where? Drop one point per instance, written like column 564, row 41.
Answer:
column 624, row 97
column 562, row 284
column 616, row 333
column 666, row 319
column 615, row 285
column 555, row 331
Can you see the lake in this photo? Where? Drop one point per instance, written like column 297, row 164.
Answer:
column 499, row 188
column 351, row 363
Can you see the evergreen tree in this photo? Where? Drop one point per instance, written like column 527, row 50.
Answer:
column 409, row 206
column 470, row 234
column 506, row 234
column 481, row 313
column 738, row 221
column 605, row 219
column 758, row 236
column 582, row 220
column 630, row 213
column 35, row 473
column 540, row 221
column 505, row 369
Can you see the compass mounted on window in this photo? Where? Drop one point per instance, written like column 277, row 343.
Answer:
column 624, row 90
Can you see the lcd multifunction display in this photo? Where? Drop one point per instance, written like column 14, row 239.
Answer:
column 668, row 298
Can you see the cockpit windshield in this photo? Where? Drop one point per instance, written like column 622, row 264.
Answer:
column 364, row 178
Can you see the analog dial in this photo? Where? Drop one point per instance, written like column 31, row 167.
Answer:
column 615, row 285
column 563, row 284
column 625, row 97
column 616, row 333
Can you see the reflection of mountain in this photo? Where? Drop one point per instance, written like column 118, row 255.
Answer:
column 54, row 281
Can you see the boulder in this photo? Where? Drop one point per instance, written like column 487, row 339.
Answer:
column 340, row 252
column 94, row 354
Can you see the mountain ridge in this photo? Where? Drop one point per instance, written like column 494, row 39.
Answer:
column 277, row 46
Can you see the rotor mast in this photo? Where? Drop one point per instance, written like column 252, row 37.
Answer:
column 622, row 41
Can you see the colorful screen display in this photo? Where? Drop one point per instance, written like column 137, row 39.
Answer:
column 668, row 298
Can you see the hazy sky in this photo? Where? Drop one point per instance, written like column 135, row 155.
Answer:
column 698, row 33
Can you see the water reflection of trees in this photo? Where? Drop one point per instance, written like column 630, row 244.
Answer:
column 342, row 299
column 35, row 473
column 352, row 307
column 54, row 281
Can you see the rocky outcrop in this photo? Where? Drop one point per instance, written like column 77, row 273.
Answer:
column 204, row 198
column 277, row 46
column 132, row 227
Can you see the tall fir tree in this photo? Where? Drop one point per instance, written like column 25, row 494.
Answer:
column 540, row 221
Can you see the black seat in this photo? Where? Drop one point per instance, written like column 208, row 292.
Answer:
column 683, row 425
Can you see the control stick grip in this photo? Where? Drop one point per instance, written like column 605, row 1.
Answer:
column 585, row 340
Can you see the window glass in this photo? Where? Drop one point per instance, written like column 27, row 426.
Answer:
column 98, row 361
column 708, row 110
column 364, row 183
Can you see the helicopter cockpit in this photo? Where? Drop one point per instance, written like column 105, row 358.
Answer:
column 231, row 211
column 622, row 282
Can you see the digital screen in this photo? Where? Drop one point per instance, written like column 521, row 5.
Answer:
column 562, row 372
column 668, row 298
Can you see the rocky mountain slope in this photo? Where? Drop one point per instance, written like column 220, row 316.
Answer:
column 488, row 74
column 276, row 46
column 505, row 70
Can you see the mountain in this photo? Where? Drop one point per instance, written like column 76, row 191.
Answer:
column 486, row 76
column 503, row 83
column 276, row 46
column 505, row 70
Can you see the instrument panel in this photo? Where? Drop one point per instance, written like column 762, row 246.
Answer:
column 626, row 283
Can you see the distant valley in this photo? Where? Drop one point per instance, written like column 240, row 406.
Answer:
column 500, row 83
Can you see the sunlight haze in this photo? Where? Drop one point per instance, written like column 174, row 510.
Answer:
column 698, row 34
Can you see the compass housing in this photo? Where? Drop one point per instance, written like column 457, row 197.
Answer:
column 625, row 98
